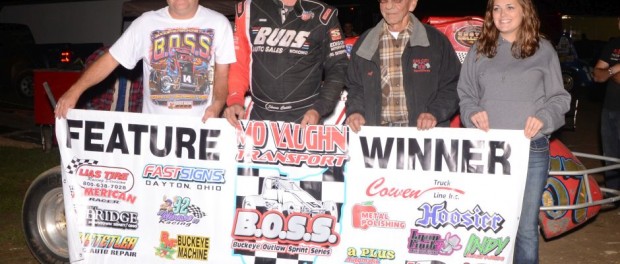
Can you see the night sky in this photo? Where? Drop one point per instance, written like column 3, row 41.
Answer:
column 456, row 7
column 476, row 7
column 365, row 13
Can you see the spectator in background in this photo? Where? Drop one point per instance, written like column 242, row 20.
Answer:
column 402, row 73
column 154, row 38
column 349, row 30
column 511, row 79
column 607, row 69
column 296, row 78
column 120, row 91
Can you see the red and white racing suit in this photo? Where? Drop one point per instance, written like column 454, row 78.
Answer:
column 295, row 60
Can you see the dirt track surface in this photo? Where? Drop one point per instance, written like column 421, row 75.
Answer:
column 595, row 242
column 598, row 240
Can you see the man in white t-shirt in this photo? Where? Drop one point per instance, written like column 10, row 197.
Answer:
column 186, row 51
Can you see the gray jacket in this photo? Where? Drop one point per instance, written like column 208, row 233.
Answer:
column 510, row 89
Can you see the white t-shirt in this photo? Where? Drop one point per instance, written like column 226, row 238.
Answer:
column 178, row 58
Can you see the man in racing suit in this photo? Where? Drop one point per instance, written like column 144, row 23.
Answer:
column 293, row 52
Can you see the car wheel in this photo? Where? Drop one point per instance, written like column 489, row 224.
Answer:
column 289, row 208
column 166, row 84
column 569, row 81
column 24, row 84
column 252, row 204
column 43, row 218
column 331, row 208
column 276, row 207
column 247, row 204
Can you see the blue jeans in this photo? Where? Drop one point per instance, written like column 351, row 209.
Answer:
column 526, row 245
column 610, row 137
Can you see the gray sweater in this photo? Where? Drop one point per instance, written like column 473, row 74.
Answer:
column 510, row 89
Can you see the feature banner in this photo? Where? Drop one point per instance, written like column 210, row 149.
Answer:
column 143, row 188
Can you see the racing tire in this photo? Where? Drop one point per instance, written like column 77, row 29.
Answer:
column 247, row 204
column 43, row 218
column 332, row 208
column 569, row 81
column 278, row 208
column 289, row 208
column 166, row 85
column 24, row 84
column 251, row 204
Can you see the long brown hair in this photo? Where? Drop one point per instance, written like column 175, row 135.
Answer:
column 528, row 37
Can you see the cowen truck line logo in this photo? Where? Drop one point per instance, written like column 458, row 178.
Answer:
column 316, row 146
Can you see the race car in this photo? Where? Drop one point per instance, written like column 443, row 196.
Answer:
column 284, row 195
column 571, row 196
column 181, row 72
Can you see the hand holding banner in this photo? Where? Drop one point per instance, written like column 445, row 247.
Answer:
column 137, row 191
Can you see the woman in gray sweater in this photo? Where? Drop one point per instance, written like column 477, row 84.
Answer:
column 511, row 79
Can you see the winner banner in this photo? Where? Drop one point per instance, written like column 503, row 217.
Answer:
column 144, row 188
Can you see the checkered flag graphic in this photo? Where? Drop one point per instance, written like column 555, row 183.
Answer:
column 76, row 163
column 329, row 186
column 195, row 211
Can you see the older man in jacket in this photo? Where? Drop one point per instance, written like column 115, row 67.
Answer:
column 402, row 73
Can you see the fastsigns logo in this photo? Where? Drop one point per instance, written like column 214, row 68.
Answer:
column 180, row 173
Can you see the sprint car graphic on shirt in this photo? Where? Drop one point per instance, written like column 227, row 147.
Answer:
column 181, row 75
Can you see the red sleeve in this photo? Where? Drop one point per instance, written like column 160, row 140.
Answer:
column 239, row 73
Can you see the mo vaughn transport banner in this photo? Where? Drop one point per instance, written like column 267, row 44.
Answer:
column 143, row 188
